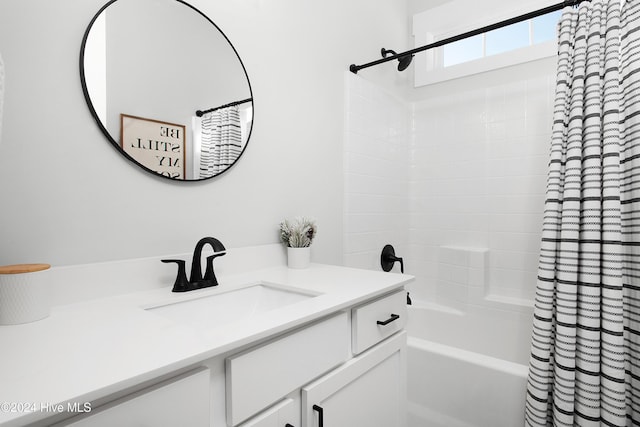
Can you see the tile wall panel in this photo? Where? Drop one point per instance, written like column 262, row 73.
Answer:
column 376, row 173
column 466, row 169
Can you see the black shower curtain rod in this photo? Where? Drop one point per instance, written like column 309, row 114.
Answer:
column 200, row 113
column 559, row 6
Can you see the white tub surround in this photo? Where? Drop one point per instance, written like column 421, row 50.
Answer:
column 104, row 344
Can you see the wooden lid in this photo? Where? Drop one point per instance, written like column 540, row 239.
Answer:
column 23, row 268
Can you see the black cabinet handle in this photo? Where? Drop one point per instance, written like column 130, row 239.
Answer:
column 288, row 425
column 320, row 411
column 389, row 320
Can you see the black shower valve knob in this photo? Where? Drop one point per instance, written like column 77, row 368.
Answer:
column 388, row 258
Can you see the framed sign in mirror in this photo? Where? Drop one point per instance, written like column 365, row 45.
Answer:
column 158, row 146
column 145, row 63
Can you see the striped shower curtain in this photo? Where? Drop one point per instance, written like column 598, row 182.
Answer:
column 584, row 367
column 221, row 141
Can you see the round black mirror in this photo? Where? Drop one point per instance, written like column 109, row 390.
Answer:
column 167, row 88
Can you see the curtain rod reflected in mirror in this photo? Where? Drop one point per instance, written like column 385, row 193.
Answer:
column 145, row 67
column 200, row 113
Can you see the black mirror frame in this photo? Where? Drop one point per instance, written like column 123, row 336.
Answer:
column 104, row 130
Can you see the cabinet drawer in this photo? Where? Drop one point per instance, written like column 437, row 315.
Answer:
column 377, row 320
column 261, row 376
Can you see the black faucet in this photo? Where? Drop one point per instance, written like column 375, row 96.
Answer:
column 197, row 281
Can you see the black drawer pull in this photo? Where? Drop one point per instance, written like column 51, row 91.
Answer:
column 288, row 425
column 320, row 411
column 389, row 320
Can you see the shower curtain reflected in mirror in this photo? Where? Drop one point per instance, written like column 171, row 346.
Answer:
column 220, row 140
column 584, row 366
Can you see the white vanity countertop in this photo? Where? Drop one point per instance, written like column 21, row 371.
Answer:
column 94, row 348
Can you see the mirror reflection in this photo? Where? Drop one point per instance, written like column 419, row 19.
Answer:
column 167, row 88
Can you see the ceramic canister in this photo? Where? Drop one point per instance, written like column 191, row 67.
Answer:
column 24, row 293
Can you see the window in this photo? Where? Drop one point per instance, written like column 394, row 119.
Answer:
column 515, row 36
column 504, row 47
column 463, row 50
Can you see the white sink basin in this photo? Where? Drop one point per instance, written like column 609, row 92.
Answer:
column 228, row 307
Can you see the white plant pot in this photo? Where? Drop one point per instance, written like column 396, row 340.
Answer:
column 298, row 257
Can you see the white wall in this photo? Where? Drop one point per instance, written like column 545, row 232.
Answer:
column 68, row 197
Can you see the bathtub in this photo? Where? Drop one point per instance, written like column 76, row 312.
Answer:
column 467, row 369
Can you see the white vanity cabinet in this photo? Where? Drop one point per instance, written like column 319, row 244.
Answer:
column 348, row 370
column 340, row 349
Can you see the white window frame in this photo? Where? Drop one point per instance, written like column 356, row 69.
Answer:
column 444, row 21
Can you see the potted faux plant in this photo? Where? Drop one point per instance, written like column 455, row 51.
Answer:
column 297, row 235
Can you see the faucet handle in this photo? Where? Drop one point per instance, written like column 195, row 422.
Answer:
column 209, row 275
column 181, row 284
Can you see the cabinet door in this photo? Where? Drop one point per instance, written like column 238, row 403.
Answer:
column 180, row 401
column 369, row 390
column 284, row 414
